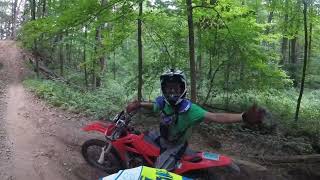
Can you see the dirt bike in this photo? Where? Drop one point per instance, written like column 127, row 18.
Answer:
column 124, row 148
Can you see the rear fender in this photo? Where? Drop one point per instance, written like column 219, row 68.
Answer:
column 101, row 127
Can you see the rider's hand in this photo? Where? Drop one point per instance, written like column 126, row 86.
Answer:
column 254, row 115
column 133, row 106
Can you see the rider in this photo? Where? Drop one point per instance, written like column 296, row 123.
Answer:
column 179, row 115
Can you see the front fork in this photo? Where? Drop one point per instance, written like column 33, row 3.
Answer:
column 105, row 150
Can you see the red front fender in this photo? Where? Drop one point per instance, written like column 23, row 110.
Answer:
column 99, row 126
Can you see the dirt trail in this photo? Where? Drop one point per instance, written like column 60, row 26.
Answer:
column 38, row 142
column 25, row 138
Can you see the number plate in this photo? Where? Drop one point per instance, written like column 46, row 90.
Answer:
column 211, row 156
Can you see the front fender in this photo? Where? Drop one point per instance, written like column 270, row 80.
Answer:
column 99, row 126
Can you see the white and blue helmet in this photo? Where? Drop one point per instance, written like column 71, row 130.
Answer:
column 173, row 76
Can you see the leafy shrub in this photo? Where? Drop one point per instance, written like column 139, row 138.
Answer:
column 99, row 103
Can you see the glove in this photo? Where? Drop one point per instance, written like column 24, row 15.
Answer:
column 133, row 106
column 254, row 115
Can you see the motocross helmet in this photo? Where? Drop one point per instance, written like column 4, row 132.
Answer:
column 173, row 86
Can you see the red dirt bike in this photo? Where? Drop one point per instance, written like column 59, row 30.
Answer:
column 124, row 148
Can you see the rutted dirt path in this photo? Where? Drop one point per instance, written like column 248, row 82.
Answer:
column 38, row 142
column 27, row 139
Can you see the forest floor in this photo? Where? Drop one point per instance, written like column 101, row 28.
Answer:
column 41, row 142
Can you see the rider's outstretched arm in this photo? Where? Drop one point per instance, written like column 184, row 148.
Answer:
column 222, row 117
column 253, row 115
column 136, row 105
column 147, row 105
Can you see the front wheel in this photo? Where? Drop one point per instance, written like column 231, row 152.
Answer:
column 91, row 151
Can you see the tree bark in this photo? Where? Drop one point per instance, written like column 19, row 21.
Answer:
column 33, row 9
column 85, row 57
column 226, row 87
column 1, row 32
column 309, row 46
column 14, row 19
column 284, row 47
column 95, row 77
column 140, row 71
column 68, row 51
column 284, row 44
column 199, row 57
column 61, row 58
column 35, row 49
column 293, row 63
column 191, row 51
column 305, row 7
column 114, row 65
column 270, row 17
column 102, row 57
column 44, row 8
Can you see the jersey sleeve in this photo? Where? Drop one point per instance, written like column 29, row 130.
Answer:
column 158, row 104
column 196, row 114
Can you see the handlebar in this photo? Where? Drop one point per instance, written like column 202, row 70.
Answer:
column 123, row 117
column 121, row 121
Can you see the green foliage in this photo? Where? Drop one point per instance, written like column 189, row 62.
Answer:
column 98, row 103
column 65, row 19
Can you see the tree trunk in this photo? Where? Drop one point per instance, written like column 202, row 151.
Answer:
column 24, row 16
column 114, row 64
column 284, row 47
column 304, row 58
column 140, row 71
column 241, row 71
column 68, row 52
column 44, row 9
column 226, row 87
column 33, row 9
column 191, row 52
column 309, row 46
column 213, row 52
column 61, row 58
column 14, row 19
column 93, row 77
column 85, row 57
column 199, row 57
column 293, row 63
column 35, row 49
column 284, row 44
column 102, row 57
column 8, row 29
column 270, row 17
column 1, row 32
column 210, row 65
